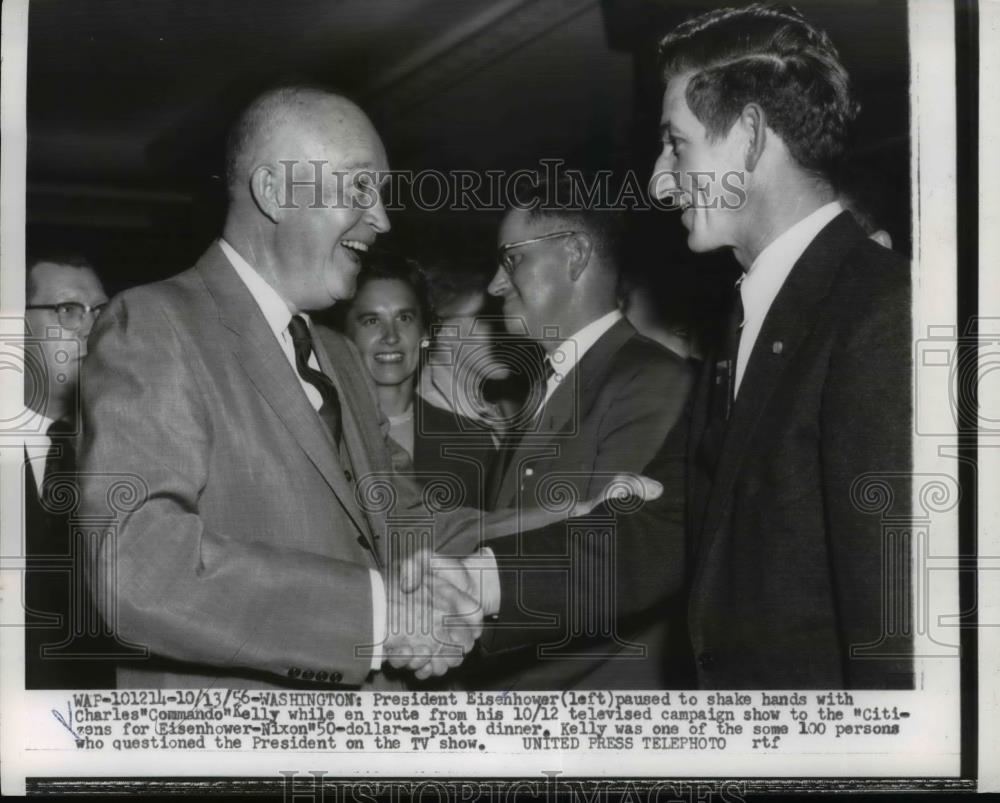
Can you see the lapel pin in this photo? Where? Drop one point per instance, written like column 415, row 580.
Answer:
column 777, row 346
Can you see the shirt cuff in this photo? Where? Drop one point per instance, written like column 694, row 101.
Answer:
column 489, row 581
column 379, row 619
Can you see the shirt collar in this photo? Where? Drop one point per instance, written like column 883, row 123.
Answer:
column 568, row 353
column 276, row 311
column 43, row 423
column 761, row 283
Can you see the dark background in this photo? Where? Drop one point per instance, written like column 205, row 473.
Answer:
column 129, row 100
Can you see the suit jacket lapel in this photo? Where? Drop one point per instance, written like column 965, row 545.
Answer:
column 574, row 397
column 793, row 315
column 364, row 442
column 579, row 387
column 268, row 368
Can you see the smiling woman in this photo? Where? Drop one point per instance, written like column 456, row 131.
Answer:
column 388, row 321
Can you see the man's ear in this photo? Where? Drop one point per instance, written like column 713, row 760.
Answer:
column 579, row 247
column 753, row 122
column 266, row 192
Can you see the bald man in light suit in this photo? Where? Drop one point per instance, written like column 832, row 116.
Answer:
column 248, row 561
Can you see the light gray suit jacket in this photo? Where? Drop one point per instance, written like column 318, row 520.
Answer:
column 244, row 561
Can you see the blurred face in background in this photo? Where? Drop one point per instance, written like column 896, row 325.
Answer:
column 386, row 325
column 72, row 297
column 465, row 319
column 644, row 314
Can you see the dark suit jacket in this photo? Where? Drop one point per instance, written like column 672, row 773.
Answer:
column 609, row 415
column 244, row 559
column 448, row 444
column 788, row 567
column 784, row 569
column 57, row 654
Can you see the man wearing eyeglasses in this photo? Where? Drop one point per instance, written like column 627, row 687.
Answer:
column 64, row 297
column 608, row 401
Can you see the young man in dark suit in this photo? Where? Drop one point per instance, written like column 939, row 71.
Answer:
column 810, row 393
column 790, row 583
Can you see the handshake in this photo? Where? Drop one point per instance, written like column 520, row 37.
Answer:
column 436, row 603
column 435, row 612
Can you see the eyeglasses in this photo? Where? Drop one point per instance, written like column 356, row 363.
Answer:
column 503, row 252
column 71, row 314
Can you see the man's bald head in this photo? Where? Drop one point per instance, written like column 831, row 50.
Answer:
column 303, row 171
column 288, row 123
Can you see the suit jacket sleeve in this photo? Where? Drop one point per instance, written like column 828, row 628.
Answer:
column 187, row 591
column 647, row 553
column 644, row 409
column 647, row 400
column 866, row 429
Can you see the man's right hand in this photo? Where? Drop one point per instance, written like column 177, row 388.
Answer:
column 622, row 487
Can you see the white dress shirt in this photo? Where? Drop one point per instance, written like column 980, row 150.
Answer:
column 760, row 285
column 567, row 354
column 278, row 315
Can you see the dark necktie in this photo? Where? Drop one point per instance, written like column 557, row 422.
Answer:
column 720, row 402
column 725, row 375
column 329, row 411
column 61, row 459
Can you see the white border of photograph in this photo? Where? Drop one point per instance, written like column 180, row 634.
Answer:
column 989, row 399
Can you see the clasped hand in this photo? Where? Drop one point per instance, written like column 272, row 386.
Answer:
column 435, row 604
column 435, row 613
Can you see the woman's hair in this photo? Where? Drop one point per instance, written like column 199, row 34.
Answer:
column 386, row 264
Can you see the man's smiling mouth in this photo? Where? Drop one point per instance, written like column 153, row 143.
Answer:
column 356, row 248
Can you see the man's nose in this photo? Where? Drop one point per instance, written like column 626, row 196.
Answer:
column 377, row 217
column 663, row 182
column 500, row 283
column 390, row 334
column 86, row 324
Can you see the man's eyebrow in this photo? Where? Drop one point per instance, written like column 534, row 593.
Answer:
column 664, row 129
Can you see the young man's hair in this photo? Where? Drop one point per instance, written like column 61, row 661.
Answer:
column 768, row 55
